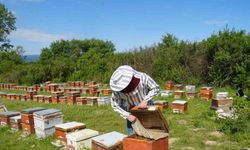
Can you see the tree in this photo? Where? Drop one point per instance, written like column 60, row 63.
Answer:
column 7, row 24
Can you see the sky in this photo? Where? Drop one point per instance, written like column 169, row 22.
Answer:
column 127, row 23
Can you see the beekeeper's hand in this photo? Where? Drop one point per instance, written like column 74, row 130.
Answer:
column 131, row 118
column 143, row 104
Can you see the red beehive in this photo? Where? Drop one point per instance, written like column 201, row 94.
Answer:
column 47, row 99
column 18, row 97
column 5, row 117
column 85, row 91
column 152, row 120
column 82, row 83
column 178, row 94
column 63, row 99
column 35, row 87
column 40, row 98
column 106, row 92
column 55, row 97
column 81, row 100
column 30, row 94
column 206, row 93
column 53, row 87
column 71, row 98
column 179, row 106
column 169, row 85
column 92, row 83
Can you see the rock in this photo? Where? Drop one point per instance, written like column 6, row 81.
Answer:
column 210, row 143
column 216, row 134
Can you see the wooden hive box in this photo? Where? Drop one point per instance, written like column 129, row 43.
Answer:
column 18, row 97
column 152, row 120
column 92, row 83
column 206, row 93
column 30, row 94
column 106, row 92
column 27, row 115
column 80, row 139
column 23, row 97
column 221, row 103
column 104, row 100
column 178, row 94
column 5, row 117
column 179, row 106
column 82, row 83
column 63, row 129
column 85, row 91
column 35, row 98
column 162, row 104
column 2, row 95
column 63, row 100
column 40, row 98
column 108, row 141
column 91, row 101
column 71, row 98
column 15, row 122
column 169, row 85
column 47, row 99
column 178, row 86
column 27, row 128
column 81, row 100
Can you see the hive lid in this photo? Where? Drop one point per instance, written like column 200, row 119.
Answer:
column 32, row 110
column 82, row 135
column 151, row 118
column 9, row 114
column 179, row 102
column 47, row 112
column 16, row 117
column 70, row 125
column 109, row 139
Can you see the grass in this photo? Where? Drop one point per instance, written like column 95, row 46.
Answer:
column 189, row 130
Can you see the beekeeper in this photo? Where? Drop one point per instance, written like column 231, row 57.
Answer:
column 131, row 88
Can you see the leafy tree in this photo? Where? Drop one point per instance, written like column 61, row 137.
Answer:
column 7, row 24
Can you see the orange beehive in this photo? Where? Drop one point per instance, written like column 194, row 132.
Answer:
column 161, row 104
column 206, row 93
column 63, row 100
column 169, row 85
column 81, row 100
column 71, row 98
column 179, row 106
column 47, row 99
column 106, row 92
column 152, row 120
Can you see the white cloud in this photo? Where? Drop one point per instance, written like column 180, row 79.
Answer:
column 216, row 22
column 37, row 36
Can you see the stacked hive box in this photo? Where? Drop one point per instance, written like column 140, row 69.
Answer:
column 63, row 129
column 178, row 94
column 15, row 123
column 5, row 117
column 45, row 122
column 55, row 97
column 161, row 104
column 47, row 99
column 71, row 99
column 106, row 92
column 85, row 91
column 222, row 100
column 169, row 85
column 190, row 89
column 27, row 119
column 93, row 90
column 206, row 93
column 63, row 100
column 35, row 87
column 81, row 100
column 82, row 83
column 29, row 94
column 154, row 122
column 53, row 87
column 179, row 106
column 80, row 139
column 2, row 95
column 108, row 141
column 104, row 100
column 18, row 97
column 91, row 101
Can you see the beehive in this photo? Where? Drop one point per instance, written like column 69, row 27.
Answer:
column 47, row 99
column 71, row 98
column 5, row 117
column 108, row 141
column 81, row 139
column 63, row 129
column 104, row 100
column 206, row 93
column 45, row 122
column 81, row 100
column 178, row 94
column 179, row 106
column 162, row 104
column 169, row 85
column 15, row 122
column 153, row 121
column 91, row 101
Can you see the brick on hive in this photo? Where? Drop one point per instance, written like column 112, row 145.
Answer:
column 154, row 124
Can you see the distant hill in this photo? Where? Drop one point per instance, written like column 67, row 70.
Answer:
column 29, row 58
